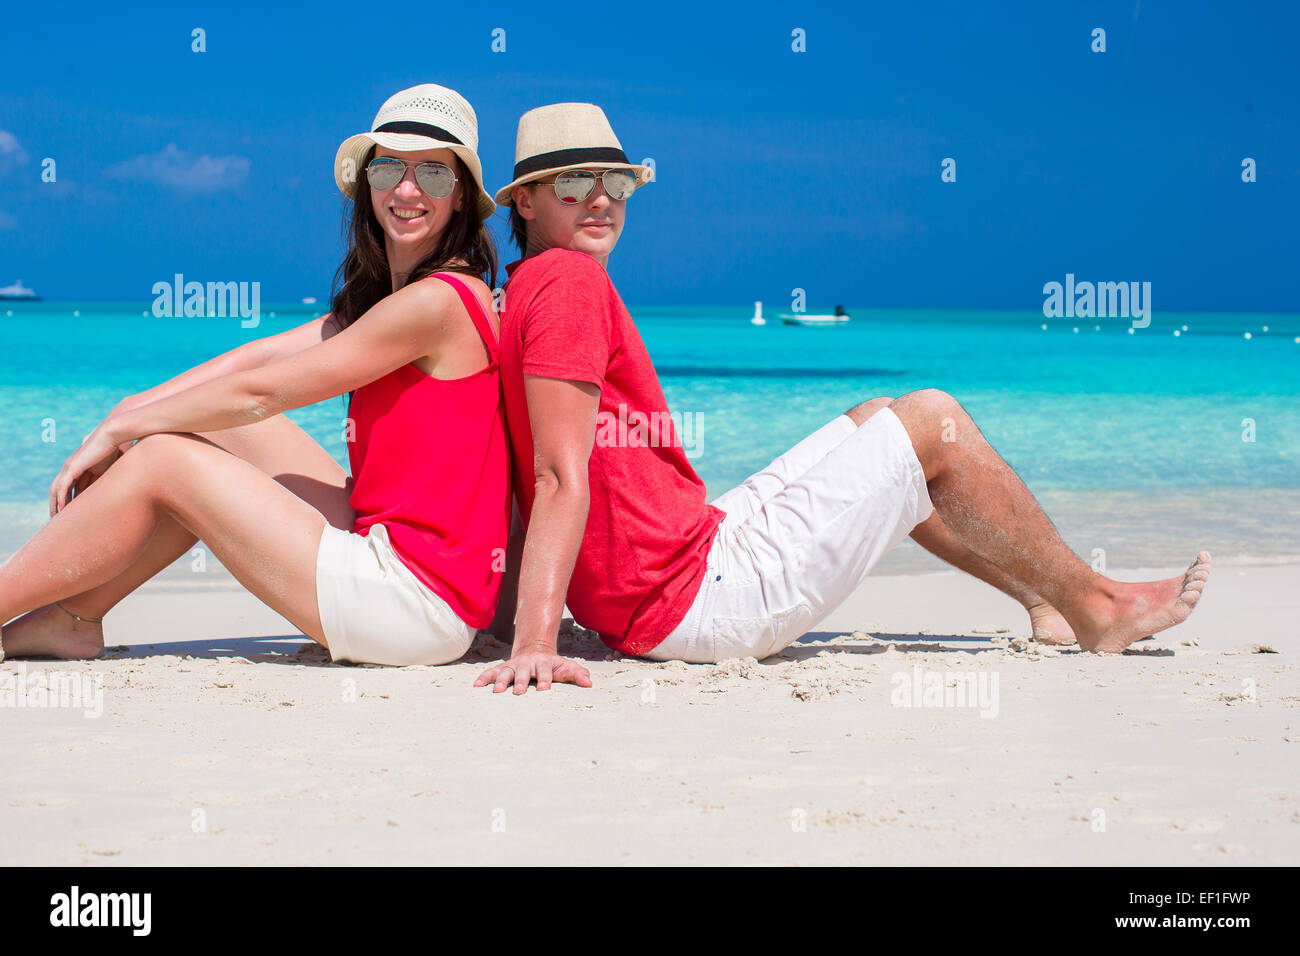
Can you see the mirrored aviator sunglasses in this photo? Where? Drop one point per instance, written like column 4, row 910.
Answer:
column 436, row 179
column 577, row 184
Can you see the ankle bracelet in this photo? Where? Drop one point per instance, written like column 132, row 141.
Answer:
column 80, row 619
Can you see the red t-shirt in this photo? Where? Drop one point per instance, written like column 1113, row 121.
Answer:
column 649, row 527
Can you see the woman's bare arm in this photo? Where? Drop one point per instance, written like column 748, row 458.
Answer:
column 248, row 356
column 405, row 325
column 398, row 329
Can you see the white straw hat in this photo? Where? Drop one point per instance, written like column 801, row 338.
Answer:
column 427, row 116
column 564, row 136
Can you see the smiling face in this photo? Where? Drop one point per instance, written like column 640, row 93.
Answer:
column 411, row 219
column 591, row 226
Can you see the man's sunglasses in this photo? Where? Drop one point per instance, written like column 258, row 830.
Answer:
column 576, row 184
column 436, row 179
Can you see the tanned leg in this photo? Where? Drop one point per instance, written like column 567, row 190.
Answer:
column 1046, row 624
column 278, row 447
column 990, row 511
column 263, row 533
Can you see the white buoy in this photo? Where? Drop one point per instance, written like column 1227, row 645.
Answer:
column 1177, row 333
column 1044, row 325
column 1248, row 335
column 1130, row 332
column 1096, row 328
column 76, row 313
column 1264, row 329
column 1184, row 328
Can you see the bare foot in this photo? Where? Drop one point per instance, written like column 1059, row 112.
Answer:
column 50, row 631
column 1047, row 626
column 1142, row 609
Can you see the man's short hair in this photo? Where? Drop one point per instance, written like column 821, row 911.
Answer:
column 518, row 229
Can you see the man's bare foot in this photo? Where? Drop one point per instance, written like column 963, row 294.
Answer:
column 1141, row 609
column 50, row 631
column 1047, row 626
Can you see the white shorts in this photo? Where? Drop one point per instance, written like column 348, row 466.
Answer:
column 373, row 608
column 799, row 537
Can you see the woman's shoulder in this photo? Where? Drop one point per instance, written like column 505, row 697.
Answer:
column 473, row 282
column 479, row 289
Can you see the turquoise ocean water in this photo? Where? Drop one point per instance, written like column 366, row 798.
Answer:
column 1145, row 445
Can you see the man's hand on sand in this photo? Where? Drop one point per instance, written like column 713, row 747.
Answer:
column 543, row 665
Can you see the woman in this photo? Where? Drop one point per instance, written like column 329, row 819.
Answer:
column 398, row 564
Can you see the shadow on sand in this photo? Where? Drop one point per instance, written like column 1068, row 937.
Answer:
column 585, row 645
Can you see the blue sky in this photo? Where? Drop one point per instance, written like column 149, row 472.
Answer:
column 776, row 170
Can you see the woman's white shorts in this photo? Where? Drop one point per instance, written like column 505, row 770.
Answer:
column 799, row 537
column 373, row 608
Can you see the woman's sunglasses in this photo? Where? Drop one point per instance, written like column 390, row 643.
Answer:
column 436, row 179
column 576, row 184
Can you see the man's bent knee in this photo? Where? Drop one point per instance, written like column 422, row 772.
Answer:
column 933, row 398
column 860, row 413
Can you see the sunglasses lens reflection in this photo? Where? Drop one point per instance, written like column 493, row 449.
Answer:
column 385, row 173
column 435, row 179
column 574, row 187
column 618, row 183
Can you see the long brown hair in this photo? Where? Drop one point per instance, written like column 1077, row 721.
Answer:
column 364, row 276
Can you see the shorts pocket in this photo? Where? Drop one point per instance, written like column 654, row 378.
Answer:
column 734, row 564
column 760, row 637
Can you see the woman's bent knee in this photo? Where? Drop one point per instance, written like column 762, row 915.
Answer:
column 152, row 454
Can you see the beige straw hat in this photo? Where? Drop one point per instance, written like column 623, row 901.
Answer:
column 427, row 116
column 564, row 136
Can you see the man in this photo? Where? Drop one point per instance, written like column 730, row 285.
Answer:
column 618, row 522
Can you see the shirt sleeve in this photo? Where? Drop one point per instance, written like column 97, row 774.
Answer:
column 567, row 329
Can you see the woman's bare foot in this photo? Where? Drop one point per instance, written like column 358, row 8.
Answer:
column 1048, row 626
column 1137, row 610
column 50, row 631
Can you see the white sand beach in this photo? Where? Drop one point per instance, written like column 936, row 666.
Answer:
column 226, row 738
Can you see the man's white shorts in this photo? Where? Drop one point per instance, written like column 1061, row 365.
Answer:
column 799, row 537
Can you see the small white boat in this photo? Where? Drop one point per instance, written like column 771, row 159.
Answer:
column 18, row 291
column 839, row 318
column 758, row 315
column 309, row 300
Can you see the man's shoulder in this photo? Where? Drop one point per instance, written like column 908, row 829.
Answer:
column 560, row 265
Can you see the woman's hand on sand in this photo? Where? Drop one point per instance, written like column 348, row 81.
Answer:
column 540, row 664
column 97, row 452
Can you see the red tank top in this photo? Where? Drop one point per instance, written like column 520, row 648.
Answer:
column 430, row 462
